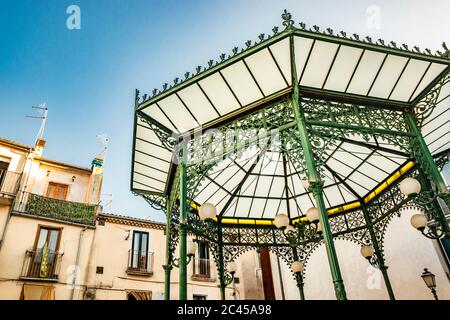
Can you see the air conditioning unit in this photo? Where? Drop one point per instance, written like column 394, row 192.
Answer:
column 89, row 294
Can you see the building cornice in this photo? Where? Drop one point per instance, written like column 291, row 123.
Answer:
column 130, row 221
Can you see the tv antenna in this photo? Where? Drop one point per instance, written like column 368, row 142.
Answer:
column 104, row 140
column 43, row 111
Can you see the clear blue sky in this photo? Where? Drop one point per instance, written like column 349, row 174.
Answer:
column 87, row 77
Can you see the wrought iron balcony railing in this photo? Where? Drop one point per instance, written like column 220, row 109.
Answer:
column 140, row 262
column 9, row 182
column 77, row 212
column 41, row 265
column 202, row 269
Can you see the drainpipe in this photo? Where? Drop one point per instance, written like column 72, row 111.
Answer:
column 281, row 278
column 77, row 259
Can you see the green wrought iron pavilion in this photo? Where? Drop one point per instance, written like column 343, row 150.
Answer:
column 302, row 137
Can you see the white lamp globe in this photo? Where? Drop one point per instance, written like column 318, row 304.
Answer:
column 409, row 186
column 419, row 221
column 281, row 221
column 207, row 211
column 191, row 248
column 312, row 214
column 232, row 267
column 297, row 266
column 367, row 251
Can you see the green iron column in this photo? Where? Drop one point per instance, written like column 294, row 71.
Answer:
column 183, row 224
column 168, row 266
column 221, row 267
column 427, row 164
column 378, row 253
column 299, row 277
column 316, row 185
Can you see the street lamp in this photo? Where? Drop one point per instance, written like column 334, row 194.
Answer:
column 190, row 252
column 297, row 268
column 228, row 277
column 420, row 222
column 430, row 281
column 301, row 231
column 368, row 253
column 411, row 187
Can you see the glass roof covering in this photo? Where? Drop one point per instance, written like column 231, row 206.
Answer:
column 327, row 65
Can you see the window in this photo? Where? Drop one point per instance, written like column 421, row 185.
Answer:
column 139, row 251
column 57, row 190
column 45, row 253
column 3, row 169
column 198, row 297
column 202, row 265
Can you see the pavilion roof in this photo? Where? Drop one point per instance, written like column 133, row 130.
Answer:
column 344, row 68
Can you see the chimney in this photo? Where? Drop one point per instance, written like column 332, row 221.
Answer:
column 95, row 181
column 39, row 147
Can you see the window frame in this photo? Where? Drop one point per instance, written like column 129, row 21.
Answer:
column 66, row 191
column 135, row 232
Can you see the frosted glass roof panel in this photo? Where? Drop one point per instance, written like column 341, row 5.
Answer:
column 178, row 113
column 199, row 105
column 242, row 83
column 302, row 48
column 265, row 71
column 219, row 94
column 366, row 72
column 409, row 80
column 433, row 71
column 343, row 68
column 282, row 55
column 388, row 76
column 319, row 64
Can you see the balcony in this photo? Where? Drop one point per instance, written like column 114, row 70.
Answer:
column 140, row 263
column 202, row 270
column 41, row 265
column 9, row 183
column 74, row 212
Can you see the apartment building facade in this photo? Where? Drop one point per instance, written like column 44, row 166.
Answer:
column 56, row 243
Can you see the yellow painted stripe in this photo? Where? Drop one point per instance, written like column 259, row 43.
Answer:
column 346, row 207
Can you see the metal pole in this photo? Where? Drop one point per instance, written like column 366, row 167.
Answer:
column 298, row 276
column 433, row 291
column 429, row 168
column 300, row 285
column 183, row 224
column 168, row 266
column 378, row 252
column 221, row 263
column 316, row 185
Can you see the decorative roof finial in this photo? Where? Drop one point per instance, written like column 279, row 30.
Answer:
column 287, row 19
column 136, row 96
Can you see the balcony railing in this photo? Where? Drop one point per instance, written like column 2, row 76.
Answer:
column 9, row 182
column 202, row 269
column 41, row 265
column 140, row 262
column 77, row 212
